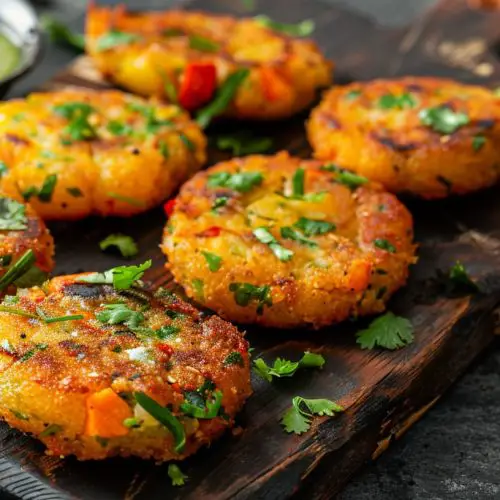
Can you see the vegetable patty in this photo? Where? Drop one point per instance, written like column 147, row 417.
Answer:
column 96, row 370
column 427, row 136
column 75, row 153
column 251, row 70
column 26, row 246
column 284, row 242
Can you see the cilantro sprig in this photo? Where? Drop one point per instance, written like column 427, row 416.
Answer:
column 245, row 293
column 286, row 368
column 122, row 277
column 176, row 475
column 12, row 215
column 388, row 331
column 304, row 28
column 402, row 101
column 115, row 38
column 443, row 119
column 243, row 143
column 298, row 417
column 243, row 182
column 119, row 313
column 346, row 177
column 264, row 236
column 125, row 244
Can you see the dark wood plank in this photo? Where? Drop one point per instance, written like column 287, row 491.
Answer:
column 384, row 393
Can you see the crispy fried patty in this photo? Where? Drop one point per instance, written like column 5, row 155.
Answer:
column 284, row 242
column 76, row 153
column 149, row 54
column 26, row 246
column 427, row 136
column 79, row 385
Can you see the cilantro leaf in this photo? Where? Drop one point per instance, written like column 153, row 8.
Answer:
column 352, row 94
column 115, row 38
column 298, row 182
column 234, row 358
column 244, row 143
column 59, row 33
column 304, row 28
column 176, row 475
column 122, row 277
column 442, row 119
column 214, row 261
column 312, row 227
column 115, row 314
column 242, row 182
column 478, row 142
column 117, row 127
column 264, row 236
column 203, row 44
column 384, row 244
column 223, row 97
column 391, row 101
column 322, row 407
column 209, row 411
column 346, row 177
column 286, row 368
column 12, row 215
column 387, row 331
column 289, row 233
column 125, row 244
column 294, row 421
column 244, row 293
column 458, row 275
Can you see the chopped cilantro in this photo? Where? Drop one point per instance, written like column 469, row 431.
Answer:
column 298, row 417
column 115, row 38
column 210, row 408
column 242, row 182
column 384, row 244
column 387, row 331
column 244, row 143
column 312, row 227
column 18, row 269
column 122, row 277
column 176, row 475
column 304, row 28
column 391, row 101
column 234, row 358
column 170, row 91
column 289, row 233
column 127, row 199
column 19, row 415
column 51, row 430
column 214, row 261
column 478, row 142
column 78, row 128
column 219, row 202
column 460, row 278
column 116, row 127
column 167, row 331
column 187, row 142
column 75, row 192
column 203, row 44
column 286, row 368
column 264, row 236
column 163, row 147
column 352, row 94
column 244, row 293
column 61, row 34
column 3, row 168
column 298, row 182
column 442, row 119
column 350, row 179
column 12, row 215
column 199, row 291
column 115, row 314
column 125, row 244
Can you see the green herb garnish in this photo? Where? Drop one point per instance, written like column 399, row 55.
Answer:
column 384, row 244
column 391, row 101
column 350, row 179
column 244, row 293
column 127, row 199
column 116, row 38
column 115, row 314
column 387, row 331
column 12, row 215
column 478, row 142
column 18, row 269
column 125, row 244
column 264, row 236
column 214, row 261
column 203, row 44
column 442, row 119
column 286, row 368
column 75, row 192
column 242, row 182
column 209, row 410
column 289, row 233
column 304, row 28
column 460, row 278
column 297, row 419
column 298, row 182
column 122, row 277
column 312, row 227
column 116, row 127
column 234, row 358
column 243, row 143
column 176, row 475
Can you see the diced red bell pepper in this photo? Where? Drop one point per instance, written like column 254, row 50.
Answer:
column 211, row 232
column 169, row 206
column 165, row 348
column 198, row 85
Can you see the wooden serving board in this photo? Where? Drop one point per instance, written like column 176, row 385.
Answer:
column 384, row 393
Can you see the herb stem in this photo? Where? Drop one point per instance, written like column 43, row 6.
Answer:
column 18, row 269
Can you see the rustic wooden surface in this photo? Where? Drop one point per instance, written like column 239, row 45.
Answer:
column 384, row 393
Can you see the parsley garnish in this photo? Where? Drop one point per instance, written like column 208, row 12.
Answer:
column 244, row 293
column 242, row 182
column 304, row 28
column 286, row 368
column 264, row 236
column 165, row 417
column 115, row 38
column 223, row 97
column 176, row 475
column 384, row 244
column 152, row 122
column 59, row 33
column 203, row 44
column 298, row 417
column 122, row 277
column 234, row 358
column 387, row 331
column 391, row 101
column 312, row 227
column 125, row 244
column 244, row 143
column 12, row 215
column 115, row 314
column 478, row 142
column 442, row 119
column 350, row 179
column 214, row 261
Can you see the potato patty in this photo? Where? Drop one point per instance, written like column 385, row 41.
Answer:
column 75, row 153
column 427, row 136
column 139, row 375
column 284, row 242
column 185, row 56
column 26, row 246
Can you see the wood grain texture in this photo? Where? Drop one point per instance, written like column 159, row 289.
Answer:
column 384, row 393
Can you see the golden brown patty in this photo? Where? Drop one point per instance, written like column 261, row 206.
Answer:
column 76, row 153
column 86, row 386
column 151, row 54
column 26, row 246
column 283, row 242
column 427, row 136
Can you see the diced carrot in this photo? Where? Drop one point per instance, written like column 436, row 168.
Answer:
column 274, row 86
column 106, row 412
column 198, row 85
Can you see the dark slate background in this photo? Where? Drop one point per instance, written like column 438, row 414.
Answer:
column 454, row 451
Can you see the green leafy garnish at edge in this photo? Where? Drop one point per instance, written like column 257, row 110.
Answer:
column 12, row 215
column 298, row 417
column 115, row 314
column 304, row 28
column 79, row 127
column 61, row 34
column 346, row 177
column 203, row 44
column 50, row 430
column 243, row 143
column 388, row 331
column 286, row 368
column 209, row 409
column 44, row 194
column 243, row 182
column 234, row 358
column 223, row 97
column 115, row 38
column 442, row 119
column 214, row 261
column 459, row 277
column 384, row 244
column 391, row 101
column 176, row 475
column 18, row 269
column 245, row 293
column 264, row 236
column 312, row 227
column 165, row 417
column 125, row 244
column 298, row 182
column 122, row 277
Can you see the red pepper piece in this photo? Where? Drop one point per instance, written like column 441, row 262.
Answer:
column 165, row 348
column 274, row 86
column 211, row 232
column 169, row 206
column 198, row 85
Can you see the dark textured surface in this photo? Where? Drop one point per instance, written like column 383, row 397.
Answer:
column 454, row 451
